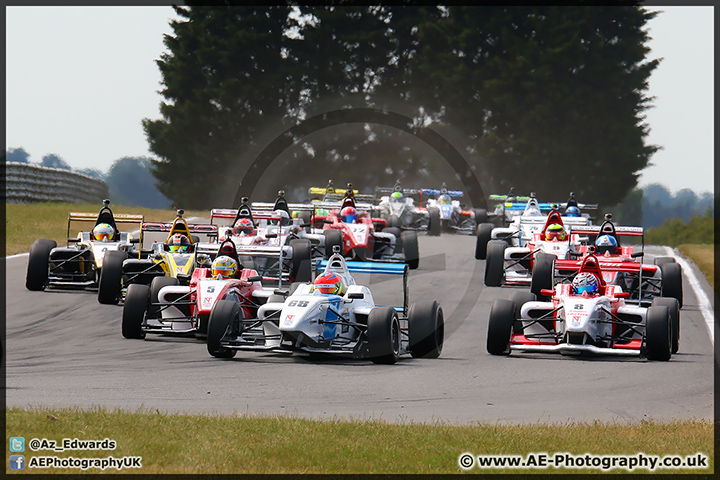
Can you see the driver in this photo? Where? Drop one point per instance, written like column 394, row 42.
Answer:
column 329, row 283
column 444, row 199
column 555, row 232
column 349, row 215
column 244, row 226
column 103, row 232
column 605, row 244
column 585, row 284
column 572, row 211
column 396, row 196
column 178, row 243
column 224, row 267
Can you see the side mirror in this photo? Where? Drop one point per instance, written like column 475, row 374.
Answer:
column 637, row 254
column 282, row 292
column 328, row 221
column 548, row 293
column 356, row 296
column 255, row 279
column 271, row 235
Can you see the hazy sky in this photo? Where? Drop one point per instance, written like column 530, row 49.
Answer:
column 81, row 79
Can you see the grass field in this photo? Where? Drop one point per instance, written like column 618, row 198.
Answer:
column 704, row 258
column 185, row 444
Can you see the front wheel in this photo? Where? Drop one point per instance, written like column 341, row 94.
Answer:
column 495, row 263
column 412, row 250
column 543, row 273
column 332, row 237
column 658, row 333
column 434, row 222
column 502, row 317
column 224, row 314
column 38, row 265
column 136, row 303
column 483, row 236
column 110, row 283
column 426, row 329
column 301, row 263
column 673, row 307
column 383, row 335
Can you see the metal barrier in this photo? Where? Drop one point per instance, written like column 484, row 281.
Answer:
column 26, row 183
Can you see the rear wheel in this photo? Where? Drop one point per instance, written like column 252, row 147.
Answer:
column 157, row 283
column 332, row 237
column 484, row 234
column 412, row 250
column 426, row 329
column 110, row 283
column 434, row 222
column 306, row 218
column 383, row 335
column 481, row 216
column 38, row 264
column 658, row 333
column 673, row 307
column 301, row 264
column 672, row 281
column 223, row 315
column 542, row 274
column 500, row 327
column 495, row 263
column 136, row 303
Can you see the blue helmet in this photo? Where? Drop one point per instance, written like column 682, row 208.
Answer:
column 605, row 243
column 572, row 211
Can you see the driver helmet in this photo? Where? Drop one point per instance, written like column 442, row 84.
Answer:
column 178, row 243
column 284, row 217
column 605, row 243
column 396, row 196
column 555, row 231
column 572, row 212
column 329, row 283
column 445, row 199
column 348, row 214
column 224, row 267
column 104, row 232
column 585, row 282
column 243, row 226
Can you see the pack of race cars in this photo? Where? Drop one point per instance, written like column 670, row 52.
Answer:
column 279, row 276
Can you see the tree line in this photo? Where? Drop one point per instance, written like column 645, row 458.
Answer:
column 542, row 98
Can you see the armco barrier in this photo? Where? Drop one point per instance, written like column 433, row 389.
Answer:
column 26, row 183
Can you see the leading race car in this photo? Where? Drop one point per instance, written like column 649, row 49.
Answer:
column 333, row 315
column 170, row 308
column 78, row 265
column 587, row 316
column 176, row 255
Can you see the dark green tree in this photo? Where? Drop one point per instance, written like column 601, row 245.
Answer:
column 131, row 183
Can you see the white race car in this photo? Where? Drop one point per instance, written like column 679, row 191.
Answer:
column 318, row 323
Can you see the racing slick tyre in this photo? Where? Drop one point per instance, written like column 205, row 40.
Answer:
column 301, row 264
column 658, row 333
column 306, row 219
column 674, row 309
column 663, row 260
column 136, row 303
column 672, row 281
column 481, row 216
column 426, row 329
column 383, row 335
column 394, row 221
column 38, row 264
column 484, row 234
column 398, row 241
column 495, row 263
column 543, row 275
column 410, row 247
column 153, row 310
column 332, row 237
column 434, row 222
column 502, row 316
column 224, row 313
column 110, row 283
column 520, row 299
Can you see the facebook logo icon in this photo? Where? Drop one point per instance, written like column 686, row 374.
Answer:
column 17, row 444
column 17, row 462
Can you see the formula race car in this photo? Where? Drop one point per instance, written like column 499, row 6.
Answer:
column 158, row 258
column 79, row 264
column 587, row 316
column 509, row 206
column 398, row 208
column 167, row 307
column 268, row 240
column 448, row 215
column 522, row 229
column 643, row 282
column 333, row 316
column 361, row 236
column 513, row 265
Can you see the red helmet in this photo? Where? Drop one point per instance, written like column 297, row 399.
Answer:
column 348, row 215
column 178, row 243
column 329, row 283
column 243, row 226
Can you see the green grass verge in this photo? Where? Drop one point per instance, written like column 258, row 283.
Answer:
column 176, row 444
column 704, row 258
column 25, row 223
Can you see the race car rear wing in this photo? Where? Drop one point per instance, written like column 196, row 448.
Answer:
column 436, row 192
column 384, row 268
column 405, row 191
column 208, row 231
column 595, row 229
column 92, row 217
column 337, row 205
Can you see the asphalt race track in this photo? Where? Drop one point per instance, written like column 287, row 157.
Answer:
column 64, row 348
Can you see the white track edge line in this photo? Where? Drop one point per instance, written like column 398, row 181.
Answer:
column 703, row 300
